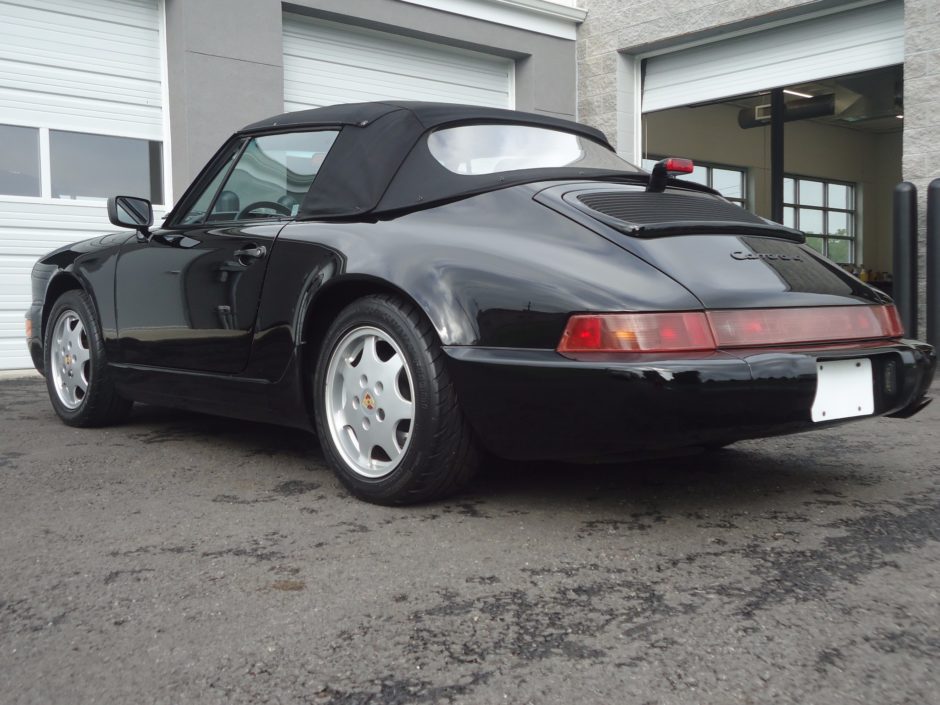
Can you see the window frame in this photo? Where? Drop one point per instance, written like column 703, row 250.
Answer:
column 851, row 213
column 219, row 161
column 46, row 196
column 744, row 201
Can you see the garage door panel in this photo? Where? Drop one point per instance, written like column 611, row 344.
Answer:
column 92, row 66
column 96, row 61
column 833, row 45
column 327, row 63
column 13, row 352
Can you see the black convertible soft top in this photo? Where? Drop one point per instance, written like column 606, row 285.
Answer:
column 380, row 162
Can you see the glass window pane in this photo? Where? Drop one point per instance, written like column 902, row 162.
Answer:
column 273, row 175
column 490, row 149
column 648, row 164
column 840, row 251
column 19, row 161
column 816, row 243
column 198, row 211
column 98, row 166
column 789, row 218
column 811, row 193
column 728, row 182
column 811, row 221
column 838, row 224
column 789, row 196
column 699, row 175
column 839, row 196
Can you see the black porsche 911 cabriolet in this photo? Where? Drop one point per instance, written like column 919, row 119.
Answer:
column 422, row 282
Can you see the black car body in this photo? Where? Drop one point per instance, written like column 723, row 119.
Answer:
column 227, row 310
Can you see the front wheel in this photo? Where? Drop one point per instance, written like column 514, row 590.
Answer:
column 76, row 369
column 386, row 411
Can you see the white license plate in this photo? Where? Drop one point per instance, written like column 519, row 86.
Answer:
column 843, row 390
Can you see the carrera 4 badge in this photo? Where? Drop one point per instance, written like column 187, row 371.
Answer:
column 739, row 254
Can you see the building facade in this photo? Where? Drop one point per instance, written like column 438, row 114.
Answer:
column 102, row 97
column 860, row 80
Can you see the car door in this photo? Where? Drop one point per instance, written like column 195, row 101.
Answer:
column 187, row 295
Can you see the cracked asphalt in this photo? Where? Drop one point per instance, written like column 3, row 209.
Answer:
column 190, row 559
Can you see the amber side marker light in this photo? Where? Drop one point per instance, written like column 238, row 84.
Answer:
column 691, row 331
column 29, row 328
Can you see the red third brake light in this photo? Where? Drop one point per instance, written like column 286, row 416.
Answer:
column 675, row 165
column 689, row 331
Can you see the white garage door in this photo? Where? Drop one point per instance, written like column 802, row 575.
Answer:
column 832, row 45
column 326, row 63
column 81, row 117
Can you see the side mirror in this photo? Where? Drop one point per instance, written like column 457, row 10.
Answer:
column 130, row 212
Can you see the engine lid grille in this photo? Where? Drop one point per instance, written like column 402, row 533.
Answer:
column 643, row 208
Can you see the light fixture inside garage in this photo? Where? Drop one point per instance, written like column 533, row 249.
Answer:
column 798, row 94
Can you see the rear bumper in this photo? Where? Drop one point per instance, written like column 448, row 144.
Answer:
column 537, row 404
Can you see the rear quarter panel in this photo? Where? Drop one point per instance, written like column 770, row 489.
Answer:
column 493, row 270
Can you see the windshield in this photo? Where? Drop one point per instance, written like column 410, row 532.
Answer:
column 489, row 149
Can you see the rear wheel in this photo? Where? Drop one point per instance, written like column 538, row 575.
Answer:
column 77, row 379
column 386, row 411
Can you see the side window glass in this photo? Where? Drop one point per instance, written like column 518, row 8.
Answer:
column 272, row 176
column 197, row 213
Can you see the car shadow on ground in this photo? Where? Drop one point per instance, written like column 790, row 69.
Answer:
column 757, row 473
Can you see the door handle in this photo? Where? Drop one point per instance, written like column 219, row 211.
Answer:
column 252, row 252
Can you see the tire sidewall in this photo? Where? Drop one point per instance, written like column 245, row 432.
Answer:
column 387, row 318
column 80, row 303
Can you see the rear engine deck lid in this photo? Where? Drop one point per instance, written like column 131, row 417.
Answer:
column 726, row 264
column 634, row 211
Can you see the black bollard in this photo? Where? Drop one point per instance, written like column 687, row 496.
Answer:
column 905, row 255
column 933, row 263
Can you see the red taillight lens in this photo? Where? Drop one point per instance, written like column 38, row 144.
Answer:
column 637, row 332
column 794, row 326
column 688, row 331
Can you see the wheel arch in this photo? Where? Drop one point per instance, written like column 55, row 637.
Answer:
column 58, row 285
column 326, row 305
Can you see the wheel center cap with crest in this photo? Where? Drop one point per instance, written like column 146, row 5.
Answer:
column 368, row 401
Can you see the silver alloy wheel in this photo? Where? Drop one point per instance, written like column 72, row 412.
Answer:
column 369, row 401
column 70, row 359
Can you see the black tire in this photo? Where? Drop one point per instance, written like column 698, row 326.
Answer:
column 99, row 403
column 440, row 456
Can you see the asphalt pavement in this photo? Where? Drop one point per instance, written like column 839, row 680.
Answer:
column 190, row 559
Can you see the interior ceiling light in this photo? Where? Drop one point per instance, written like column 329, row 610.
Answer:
column 798, row 94
column 900, row 116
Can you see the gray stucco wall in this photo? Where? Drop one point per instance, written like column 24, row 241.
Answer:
column 225, row 68
column 617, row 28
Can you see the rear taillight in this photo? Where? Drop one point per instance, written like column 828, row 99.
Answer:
column 637, row 332
column 744, row 328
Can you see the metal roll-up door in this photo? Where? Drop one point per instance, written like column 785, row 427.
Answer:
column 77, row 79
column 831, row 45
column 326, row 63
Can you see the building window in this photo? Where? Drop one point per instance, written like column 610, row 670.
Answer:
column 97, row 166
column 729, row 181
column 42, row 163
column 19, row 161
column 825, row 211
